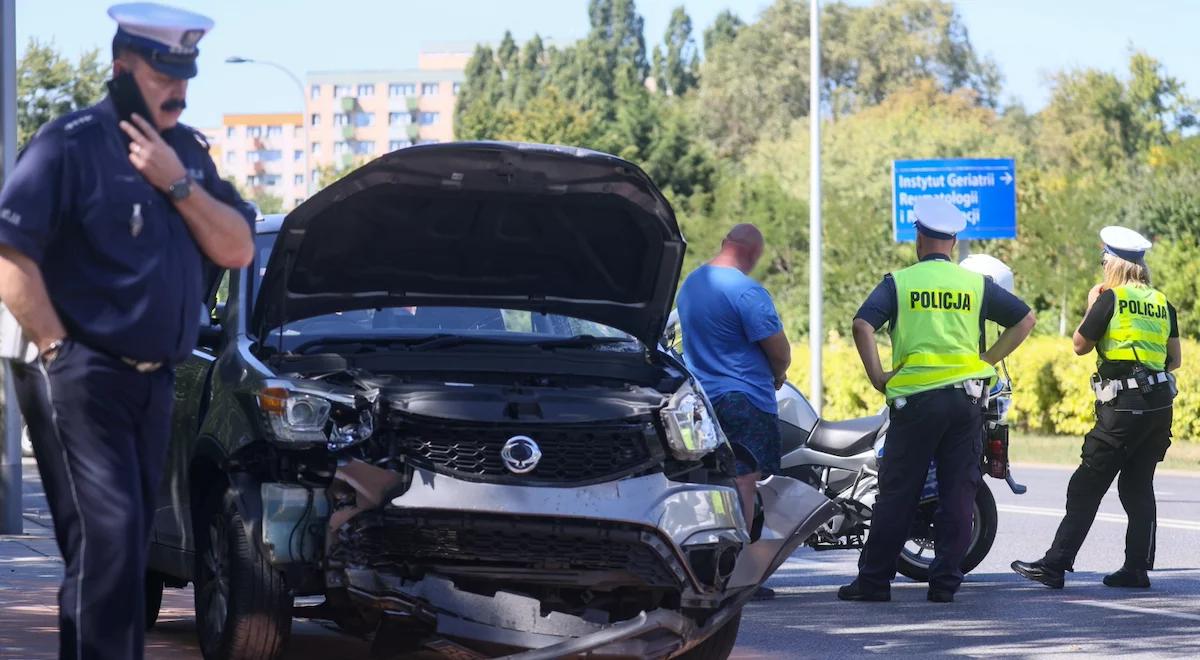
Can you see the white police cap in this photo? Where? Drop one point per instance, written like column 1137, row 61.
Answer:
column 985, row 264
column 1124, row 243
column 165, row 36
column 937, row 218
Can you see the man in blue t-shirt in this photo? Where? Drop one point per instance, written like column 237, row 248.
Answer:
column 733, row 342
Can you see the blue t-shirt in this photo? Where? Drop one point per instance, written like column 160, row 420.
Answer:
column 723, row 314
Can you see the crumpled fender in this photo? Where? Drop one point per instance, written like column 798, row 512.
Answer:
column 792, row 512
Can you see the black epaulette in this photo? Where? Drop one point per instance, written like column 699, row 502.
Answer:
column 198, row 135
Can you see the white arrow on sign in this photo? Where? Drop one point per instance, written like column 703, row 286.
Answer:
column 1006, row 178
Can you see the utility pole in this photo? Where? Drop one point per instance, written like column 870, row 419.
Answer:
column 816, row 332
column 10, row 440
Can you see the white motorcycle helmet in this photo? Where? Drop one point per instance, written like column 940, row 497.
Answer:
column 992, row 267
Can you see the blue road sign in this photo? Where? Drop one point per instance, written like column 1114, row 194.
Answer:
column 985, row 189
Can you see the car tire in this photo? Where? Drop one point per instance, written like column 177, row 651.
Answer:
column 719, row 645
column 154, row 593
column 243, row 605
column 986, row 521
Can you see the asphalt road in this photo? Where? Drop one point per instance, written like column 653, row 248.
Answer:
column 996, row 613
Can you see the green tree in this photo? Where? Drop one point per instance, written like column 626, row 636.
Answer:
column 724, row 30
column 50, row 85
column 676, row 63
column 548, row 118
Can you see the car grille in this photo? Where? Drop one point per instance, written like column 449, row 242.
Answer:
column 523, row 549
column 571, row 454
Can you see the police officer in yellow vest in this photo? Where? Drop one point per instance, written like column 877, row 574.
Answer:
column 936, row 311
column 1135, row 334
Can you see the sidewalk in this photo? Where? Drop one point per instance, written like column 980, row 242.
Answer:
column 30, row 573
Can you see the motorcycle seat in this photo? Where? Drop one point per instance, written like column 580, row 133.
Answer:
column 853, row 436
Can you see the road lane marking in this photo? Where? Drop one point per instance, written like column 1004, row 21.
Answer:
column 1122, row 607
column 1170, row 523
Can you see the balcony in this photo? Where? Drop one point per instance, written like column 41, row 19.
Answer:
column 348, row 132
column 412, row 103
column 414, row 132
column 348, row 103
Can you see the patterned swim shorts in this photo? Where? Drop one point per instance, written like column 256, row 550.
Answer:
column 756, row 431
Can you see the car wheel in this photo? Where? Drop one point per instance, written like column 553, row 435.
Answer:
column 243, row 606
column 154, row 594
column 719, row 645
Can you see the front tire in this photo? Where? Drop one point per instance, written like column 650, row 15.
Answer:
column 243, row 606
column 916, row 556
column 719, row 645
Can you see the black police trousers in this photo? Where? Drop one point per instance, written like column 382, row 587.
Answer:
column 1131, row 445
column 100, row 432
column 943, row 425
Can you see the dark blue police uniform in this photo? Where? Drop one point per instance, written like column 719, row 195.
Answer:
column 127, row 279
column 943, row 425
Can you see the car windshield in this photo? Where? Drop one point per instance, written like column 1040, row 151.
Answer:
column 429, row 323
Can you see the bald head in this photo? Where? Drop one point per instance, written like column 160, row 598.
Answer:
column 742, row 248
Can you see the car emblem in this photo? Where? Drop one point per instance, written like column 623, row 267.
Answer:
column 520, row 454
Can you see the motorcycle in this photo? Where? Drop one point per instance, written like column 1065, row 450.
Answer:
column 842, row 460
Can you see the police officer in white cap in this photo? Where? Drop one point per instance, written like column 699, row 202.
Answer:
column 113, row 225
column 1135, row 334
column 936, row 310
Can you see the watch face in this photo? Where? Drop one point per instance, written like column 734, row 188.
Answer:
column 181, row 189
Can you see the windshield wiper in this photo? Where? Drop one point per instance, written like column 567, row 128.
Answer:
column 580, row 341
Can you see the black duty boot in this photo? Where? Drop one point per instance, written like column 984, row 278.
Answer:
column 1128, row 577
column 855, row 591
column 939, row 596
column 1040, row 572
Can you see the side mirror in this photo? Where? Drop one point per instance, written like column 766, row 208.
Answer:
column 210, row 336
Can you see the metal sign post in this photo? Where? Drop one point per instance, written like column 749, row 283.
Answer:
column 10, row 439
column 816, row 329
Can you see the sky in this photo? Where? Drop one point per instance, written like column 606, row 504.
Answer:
column 1028, row 38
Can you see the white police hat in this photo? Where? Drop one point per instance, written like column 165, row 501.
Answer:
column 165, row 36
column 985, row 264
column 1124, row 243
column 937, row 218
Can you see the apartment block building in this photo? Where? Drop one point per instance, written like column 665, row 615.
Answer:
column 263, row 152
column 356, row 115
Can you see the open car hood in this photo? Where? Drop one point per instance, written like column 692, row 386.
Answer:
column 480, row 224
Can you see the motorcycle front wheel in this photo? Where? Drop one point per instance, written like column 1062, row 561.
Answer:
column 917, row 554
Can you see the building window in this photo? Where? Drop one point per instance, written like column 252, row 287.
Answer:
column 429, row 89
column 399, row 118
column 274, row 131
column 316, row 148
column 398, row 144
column 339, row 148
column 364, row 119
column 316, row 175
column 428, row 118
column 252, row 180
column 297, row 131
column 297, row 202
column 269, row 179
column 456, row 88
column 315, row 92
column 230, row 156
column 428, row 141
column 402, row 89
column 230, row 131
column 272, row 155
column 298, row 179
column 314, row 120
column 253, row 156
column 341, row 119
column 341, row 90
column 366, row 90
column 254, row 131
column 298, row 155
column 364, row 147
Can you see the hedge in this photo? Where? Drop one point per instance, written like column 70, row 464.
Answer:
column 1051, row 386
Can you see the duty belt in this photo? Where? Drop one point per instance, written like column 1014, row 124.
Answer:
column 142, row 367
column 1106, row 390
column 975, row 388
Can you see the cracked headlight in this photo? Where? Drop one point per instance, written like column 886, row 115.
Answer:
column 294, row 417
column 691, row 430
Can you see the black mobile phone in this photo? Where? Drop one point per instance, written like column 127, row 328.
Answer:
column 128, row 98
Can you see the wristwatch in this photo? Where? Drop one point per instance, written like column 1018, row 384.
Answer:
column 180, row 190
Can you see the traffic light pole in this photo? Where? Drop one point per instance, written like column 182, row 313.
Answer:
column 10, row 439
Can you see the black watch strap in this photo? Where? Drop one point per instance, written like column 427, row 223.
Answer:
column 181, row 189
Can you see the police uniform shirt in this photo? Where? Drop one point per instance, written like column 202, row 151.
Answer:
column 999, row 305
column 120, row 264
column 1095, row 324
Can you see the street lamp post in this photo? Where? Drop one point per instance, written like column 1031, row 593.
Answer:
column 816, row 332
column 235, row 59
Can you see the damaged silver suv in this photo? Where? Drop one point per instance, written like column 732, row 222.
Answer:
column 439, row 400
